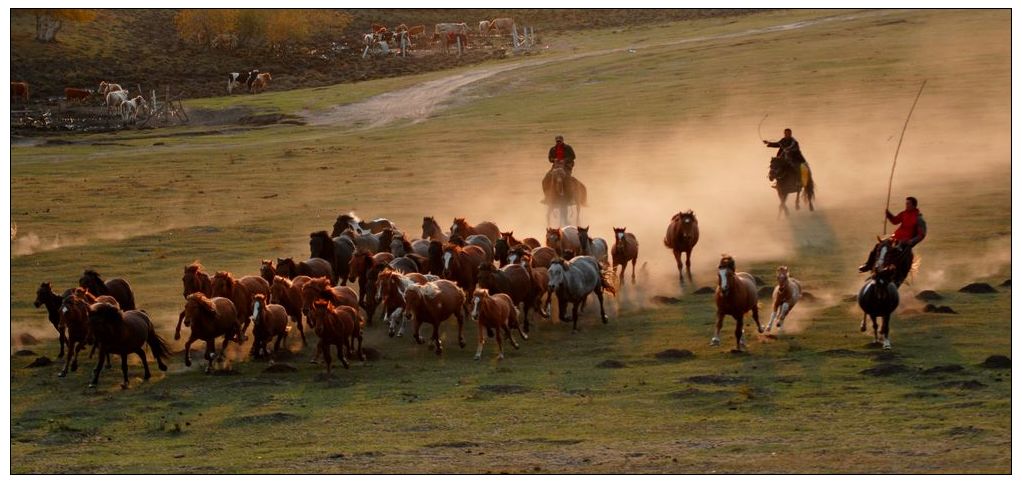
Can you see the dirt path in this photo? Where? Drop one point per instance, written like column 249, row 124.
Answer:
column 418, row 102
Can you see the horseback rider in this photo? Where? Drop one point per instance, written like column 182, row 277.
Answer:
column 911, row 231
column 788, row 149
column 561, row 152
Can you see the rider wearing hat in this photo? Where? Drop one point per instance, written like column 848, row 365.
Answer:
column 561, row 152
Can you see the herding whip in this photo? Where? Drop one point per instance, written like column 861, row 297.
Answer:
column 887, row 204
column 759, row 128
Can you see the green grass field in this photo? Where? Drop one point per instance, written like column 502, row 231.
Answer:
column 667, row 127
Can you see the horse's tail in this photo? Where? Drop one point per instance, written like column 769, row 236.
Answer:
column 810, row 189
column 607, row 279
column 159, row 347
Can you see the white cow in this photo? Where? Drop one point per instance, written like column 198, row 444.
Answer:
column 115, row 98
column 131, row 108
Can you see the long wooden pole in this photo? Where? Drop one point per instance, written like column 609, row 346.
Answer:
column 887, row 204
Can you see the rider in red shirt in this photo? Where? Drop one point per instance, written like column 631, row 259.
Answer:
column 911, row 230
column 562, row 152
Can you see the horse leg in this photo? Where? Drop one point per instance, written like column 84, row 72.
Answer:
column 301, row 329
column 797, row 193
column 677, row 261
column 209, row 353
column 688, row 264
column 481, row 340
column 145, row 364
column 325, row 349
column 715, row 341
column 63, row 340
column 188, row 352
column 500, row 344
column 739, row 331
column 876, row 334
column 436, row 338
column 773, row 317
column 885, row 331
column 562, row 308
column 785, row 308
column 526, row 305
column 634, row 262
column 177, row 330
column 341, row 351
column 99, row 367
column 124, row 369
column 599, row 296
column 460, row 315
column 574, row 317
column 862, row 326
column 108, row 365
column 67, row 362
column 755, row 317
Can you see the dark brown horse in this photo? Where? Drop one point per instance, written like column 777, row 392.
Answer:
column 288, row 294
column 626, row 249
column 89, row 299
column 682, row 236
column 335, row 326
column 495, row 314
column 286, row 268
column 361, row 264
column 194, row 280
column 241, row 291
column 337, row 251
column 44, row 296
column 267, row 270
column 436, row 258
column 320, row 288
column 74, row 324
column 124, row 333
column 736, row 294
column 432, row 303
column 595, row 247
column 512, row 242
column 878, row 298
column 501, row 250
column 461, row 228
column 522, row 256
column 542, row 257
column 118, row 288
column 431, row 230
column 513, row 280
column 562, row 190
column 268, row 321
column 788, row 179
column 461, row 265
column 210, row 318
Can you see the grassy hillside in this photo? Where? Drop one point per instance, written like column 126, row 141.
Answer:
column 665, row 126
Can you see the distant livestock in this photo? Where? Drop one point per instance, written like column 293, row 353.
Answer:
column 261, row 82
column 115, row 99
column 72, row 94
column 236, row 79
column 108, row 87
column 19, row 90
column 501, row 25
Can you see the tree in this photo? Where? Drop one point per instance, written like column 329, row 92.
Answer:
column 49, row 21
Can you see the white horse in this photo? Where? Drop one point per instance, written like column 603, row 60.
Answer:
column 786, row 294
column 574, row 280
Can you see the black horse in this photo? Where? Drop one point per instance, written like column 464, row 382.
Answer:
column 124, row 333
column 878, row 298
column 789, row 180
column 45, row 295
column 336, row 250
column 117, row 288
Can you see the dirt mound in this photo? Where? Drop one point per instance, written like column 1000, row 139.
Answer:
column 883, row 370
column 945, row 369
column 24, row 352
column 268, row 418
column 372, row 354
column 928, row 295
column 997, row 362
column 40, row 362
column 674, row 354
column 938, row 309
column 280, row 368
column 704, row 291
column 969, row 385
column 25, row 338
column 717, row 379
column 504, row 388
column 978, row 287
column 662, row 299
column 1006, row 283
column 611, row 364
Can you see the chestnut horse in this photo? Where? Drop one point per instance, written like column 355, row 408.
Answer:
column 361, row 264
column 44, row 296
column 124, row 333
column 268, row 321
column 736, row 295
column 210, row 318
column 74, row 325
column 461, row 265
column 494, row 313
column 320, row 288
column 432, row 303
column 682, row 236
column 241, row 292
column 786, row 294
column 288, row 294
column 194, row 280
column 593, row 247
column 542, row 257
column 461, row 228
column 335, row 326
column 431, row 230
column 626, row 249
column 513, row 242
column 390, row 288
column 513, row 280
column 540, row 276
column 267, row 270
column 117, row 288
column 561, row 239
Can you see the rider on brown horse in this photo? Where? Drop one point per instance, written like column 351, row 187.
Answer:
column 910, row 232
column 788, row 149
column 562, row 153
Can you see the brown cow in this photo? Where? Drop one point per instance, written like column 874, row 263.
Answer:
column 19, row 90
column 261, row 82
column 72, row 94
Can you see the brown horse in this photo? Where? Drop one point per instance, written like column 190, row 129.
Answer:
column 369, row 242
column 542, row 257
column 431, row 230
column 562, row 190
column 390, row 288
column 210, row 318
column 461, row 265
column 118, row 288
column 626, row 249
column 320, row 288
column 89, row 299
column 513, row 280
column 736, row 295
column 288, row 294
column 788, row 177
column 433, row 303
column 786, row 294
column 45, row 296
column 513, row 242
column 74, row 325
column 267, row 270
column 495, row 313
column 286, row 268
column 124, row 333
column 361, row 264
column 335, row 326
column 595, row 247
column 268, row 321
column 540, row 276
column 194, row 280
column 561, row 239
column 682, row 236
column 461, row 228
column 241, row 292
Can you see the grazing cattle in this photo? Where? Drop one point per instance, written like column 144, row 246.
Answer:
column 124, row 333
column 288, row 294
column 456, row 28
column 593, row 247
column 433, row 303
column 502, row 26
column 268, row 321
column 261, row 82
column 117, row 288
column 495, row 313
column 336, row 326
column 786, row 294
column 417, row 31
column 236, row 79
column 115, row 99
column 562, row 239
column 626, row 249
column 132, row 107
column 484, row 27
column 736, row 295
column 19, row 91
column 461, row 228
column 456, row 40
column 45, row 296
column 72, row 94
column 241, row 292
column 682, row 236
column 108, row 87
column 210, row 318
column 573, row 280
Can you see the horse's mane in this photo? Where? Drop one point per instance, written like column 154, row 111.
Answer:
column 194, row 267
column 107, row 312
column 203, row 302
column 482, row 291
column 320, row 234
column 91, row 273
column 727, row 260
column 277, row 279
